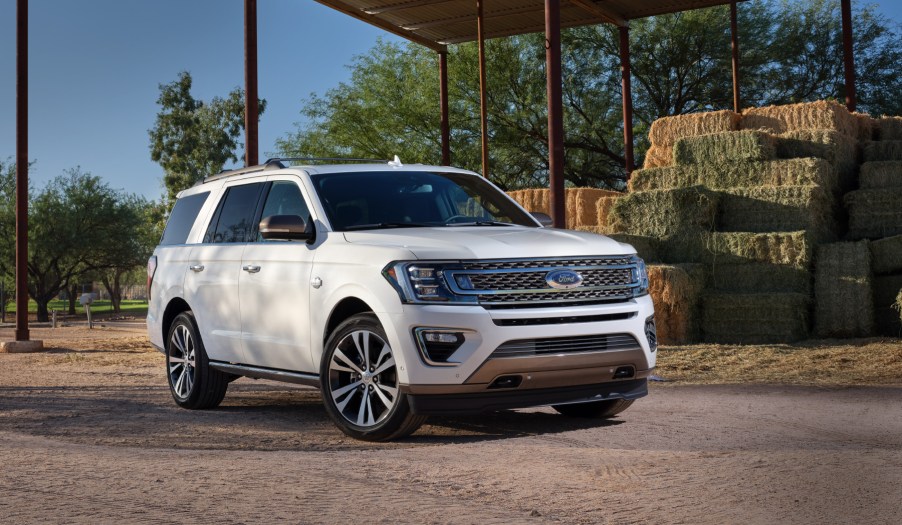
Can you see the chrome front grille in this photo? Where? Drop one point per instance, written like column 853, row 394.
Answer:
column 523, row 283
column 567, row 345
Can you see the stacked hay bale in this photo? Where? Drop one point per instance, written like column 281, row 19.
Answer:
column 843, row 279
column 582, row 204
column 666, row 131
column 886, row 264
column 675, row 290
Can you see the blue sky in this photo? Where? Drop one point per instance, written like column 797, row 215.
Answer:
column 95, row 67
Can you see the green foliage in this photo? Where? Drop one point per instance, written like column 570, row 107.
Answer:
column 192, row 139
column 790, row 52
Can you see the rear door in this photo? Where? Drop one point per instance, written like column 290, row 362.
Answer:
column 274, row 287
column 211, row 282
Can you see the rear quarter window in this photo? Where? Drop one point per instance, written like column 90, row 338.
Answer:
column 182, row 218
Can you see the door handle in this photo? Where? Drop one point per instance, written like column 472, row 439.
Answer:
column 196, row 268
column 250, row 268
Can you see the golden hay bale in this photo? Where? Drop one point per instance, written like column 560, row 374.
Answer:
column 843, row 292
column 874, row 214
column 886, row 255
column 793, row 249
column 580, row 203
column 667, row 130
column 888, row 305
column 723, row 148
column 675, row 291
column 888, row 128
column 658, row 156
column 880, row 174
column 603, row 209
column 867, row 126
column 808, row 115
column 883, row 150
column 754, row 318
column 791, row 172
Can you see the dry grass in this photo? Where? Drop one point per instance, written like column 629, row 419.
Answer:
column 792, row 172
column 824, row 362
column 840, row 150
column 888, row 128
column 664, row 213
column 658, row 156
column 724, row 148
column 647, row 247
column 778, row 209
column 676, row 291
column 794, row 249
column 887, row 289
column 883, row 150
column 886, row 255
column 843, row 290
column 581, row 203
column 667, row 130
column 867, row 126
column 881, row 174
column 760, row 278
column 874, row 213
column 823, row 114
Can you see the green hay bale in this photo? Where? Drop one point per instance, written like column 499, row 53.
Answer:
column 793, row 249
column 886, row 255
column 760, row 278
column 840, row 150
column 843, row 290
column 664, row 213
column 647, row 247
column 723, row 148
column 881, row 174
column 675, row 291
column 754, row 318
column 794, row 172
column 874, row 214
column 778, row 209
column 888, row 305
column 889, row 128
column 883, row 150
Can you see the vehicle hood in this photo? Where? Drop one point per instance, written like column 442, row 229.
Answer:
column 490, row 242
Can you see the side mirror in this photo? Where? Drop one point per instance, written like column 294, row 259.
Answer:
column 543, row 218
column 285, row 227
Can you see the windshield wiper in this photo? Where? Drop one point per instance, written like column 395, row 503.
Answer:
column 482, row 223
column 381, row 225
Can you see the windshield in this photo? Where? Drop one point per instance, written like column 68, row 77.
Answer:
column 392, row 199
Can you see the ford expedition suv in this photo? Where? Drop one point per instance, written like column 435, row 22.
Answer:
column 398, row 290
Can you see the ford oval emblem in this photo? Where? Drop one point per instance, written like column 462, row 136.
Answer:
column 563, row 279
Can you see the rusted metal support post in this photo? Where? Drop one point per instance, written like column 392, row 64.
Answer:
column 627, row 93
column 483, row 110
column 734, row 43
column 848, row 58
column 554, row 88
column 22, row 333
column 443, row 103
column 251, row 98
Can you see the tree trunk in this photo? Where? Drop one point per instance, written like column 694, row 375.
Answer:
column 114, row 289
column 72, row 291
column 43, row 311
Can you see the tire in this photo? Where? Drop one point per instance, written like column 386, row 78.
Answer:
column 597, row 409
column 360, row 383
column 193, row 384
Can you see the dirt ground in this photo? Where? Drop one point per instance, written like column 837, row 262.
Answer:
column 89, row 434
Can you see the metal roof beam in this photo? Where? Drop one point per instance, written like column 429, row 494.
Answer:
column 398, row 6
column 426, row 24
column 382, row 24
column 603, row 12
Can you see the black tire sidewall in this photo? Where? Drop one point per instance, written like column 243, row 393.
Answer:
column 200, row 361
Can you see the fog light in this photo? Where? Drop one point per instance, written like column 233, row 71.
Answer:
column 437, row 346
column 442, row 337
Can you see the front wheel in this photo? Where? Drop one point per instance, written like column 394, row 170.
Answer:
column 360, row 383
column 191, row 380
column 599, row 409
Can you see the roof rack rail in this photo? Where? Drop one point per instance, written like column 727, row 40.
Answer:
column 241, row 171
column 279, row 160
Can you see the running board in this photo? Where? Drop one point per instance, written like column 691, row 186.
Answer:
column 267, row 373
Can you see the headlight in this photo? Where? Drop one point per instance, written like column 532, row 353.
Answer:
column 418, row 282
column 640, row 275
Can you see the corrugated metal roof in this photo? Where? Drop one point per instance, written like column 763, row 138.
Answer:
column 436, row 23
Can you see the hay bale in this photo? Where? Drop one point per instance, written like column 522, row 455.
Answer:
column 665, row 213
column 880, row 174
column 792, row 249
column 823, row 114
column 883, row 150
column 603, row 209
column 888, row 128
column 723, row 148
column 778, row 209
column 580, row 203
column 843, row 290
column 888, row 305
column 874, row 214
column 867, row 126
column 794, row 172
column 836, row 148
column 760, row 278
column 534, row 200
column 658, row 156
column 886, row 255
column 667, row 130
column 675, row 291
column 754, row 318
column 646, row 247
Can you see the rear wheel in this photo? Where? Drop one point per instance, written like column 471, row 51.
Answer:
column 192, row 382
column 600, row 409
column 360, row 383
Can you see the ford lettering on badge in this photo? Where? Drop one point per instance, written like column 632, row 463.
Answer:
column 563, row 279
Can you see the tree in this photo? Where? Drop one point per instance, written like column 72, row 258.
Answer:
column 192, row 139
column 791, row 52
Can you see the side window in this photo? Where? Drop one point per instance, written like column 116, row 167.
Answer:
column 182, row 218
column 284, row 198
column 234, row 219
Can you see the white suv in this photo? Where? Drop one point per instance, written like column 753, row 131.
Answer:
column 399, row 291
